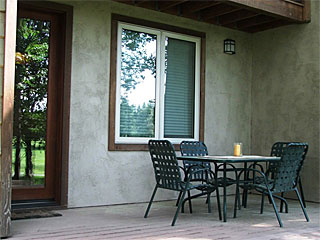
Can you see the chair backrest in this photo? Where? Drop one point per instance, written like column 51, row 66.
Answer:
column 277, row 151
column 194, row 148
column 287, row 170
column 277, row 148
column 165, row 164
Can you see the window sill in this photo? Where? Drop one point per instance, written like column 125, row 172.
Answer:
column 134, row 147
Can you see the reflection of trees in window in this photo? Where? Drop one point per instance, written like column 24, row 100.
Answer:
column 31, row 81
column 136, row 60
column 141, row 119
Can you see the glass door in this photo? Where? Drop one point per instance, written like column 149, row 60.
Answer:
column 37, row 107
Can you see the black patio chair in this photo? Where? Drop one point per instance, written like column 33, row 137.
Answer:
column 277, row 151
column 168, row 175
column 198, row 148
column 195, row 148
column 283, row 178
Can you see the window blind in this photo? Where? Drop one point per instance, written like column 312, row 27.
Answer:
column 179, row 89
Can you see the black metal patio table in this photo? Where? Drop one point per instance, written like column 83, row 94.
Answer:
column 225, row 160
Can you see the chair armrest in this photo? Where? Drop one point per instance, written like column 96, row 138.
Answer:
column 203, row 169
column 253, row 166
column 184, row 171
column 265, row 179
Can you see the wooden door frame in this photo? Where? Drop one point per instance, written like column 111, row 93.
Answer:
column 65, row 12
column 54, row 110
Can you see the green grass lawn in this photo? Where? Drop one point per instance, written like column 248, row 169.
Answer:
column 38, row 161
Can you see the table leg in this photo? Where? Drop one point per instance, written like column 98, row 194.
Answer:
column 245, row 190
column 224, row 192
column 217, row 187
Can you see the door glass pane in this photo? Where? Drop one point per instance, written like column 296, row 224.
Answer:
column 137, row 86
column 179, row 88
column 30, row 102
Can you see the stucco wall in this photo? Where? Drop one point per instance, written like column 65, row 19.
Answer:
column 97, row 176
column 285, row 92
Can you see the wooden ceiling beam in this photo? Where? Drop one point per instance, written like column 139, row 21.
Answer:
column 164, row 5
column 239, row 15
column 217, row 11
column 146, row 4
column 254, row 21
column 196, row 6
column 140, row 2
column 130, row 2
column 265, row 26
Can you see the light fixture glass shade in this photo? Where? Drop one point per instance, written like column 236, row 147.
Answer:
column 229, row 46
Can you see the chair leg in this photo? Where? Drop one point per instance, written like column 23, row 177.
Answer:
column 178, row 198
column 244, row 204
column 190, row 204
column 178, row 208
column 301, row 193
column 281, row 203
column 245, row 191
column 149, row 205
column 239, row 202
column 275, row 208
column 209, row 203
column 262, row 203
column 301, row 204
column 236, row 200
column 282, row 200
column 218, row 202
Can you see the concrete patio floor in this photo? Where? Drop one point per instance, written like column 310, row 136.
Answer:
column 127, row 222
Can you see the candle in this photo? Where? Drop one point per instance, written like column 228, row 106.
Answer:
column 237, row 149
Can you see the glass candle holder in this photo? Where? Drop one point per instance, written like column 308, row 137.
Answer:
column 237, row 149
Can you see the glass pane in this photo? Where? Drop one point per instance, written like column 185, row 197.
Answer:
column 138, row 79
column 179, row 89
column 30, row 102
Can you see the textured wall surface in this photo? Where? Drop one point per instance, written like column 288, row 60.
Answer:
column 99, row 177
column 285, row 92
column 267, row 92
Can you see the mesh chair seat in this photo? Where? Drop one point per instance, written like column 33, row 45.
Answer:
column 229, row 181
column 199, row 186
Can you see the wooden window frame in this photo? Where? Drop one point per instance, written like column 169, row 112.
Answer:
column 115, row 19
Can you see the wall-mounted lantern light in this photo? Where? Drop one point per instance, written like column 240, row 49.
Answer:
column 229, row 46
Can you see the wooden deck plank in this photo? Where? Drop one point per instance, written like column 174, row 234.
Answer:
column 127, row 222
